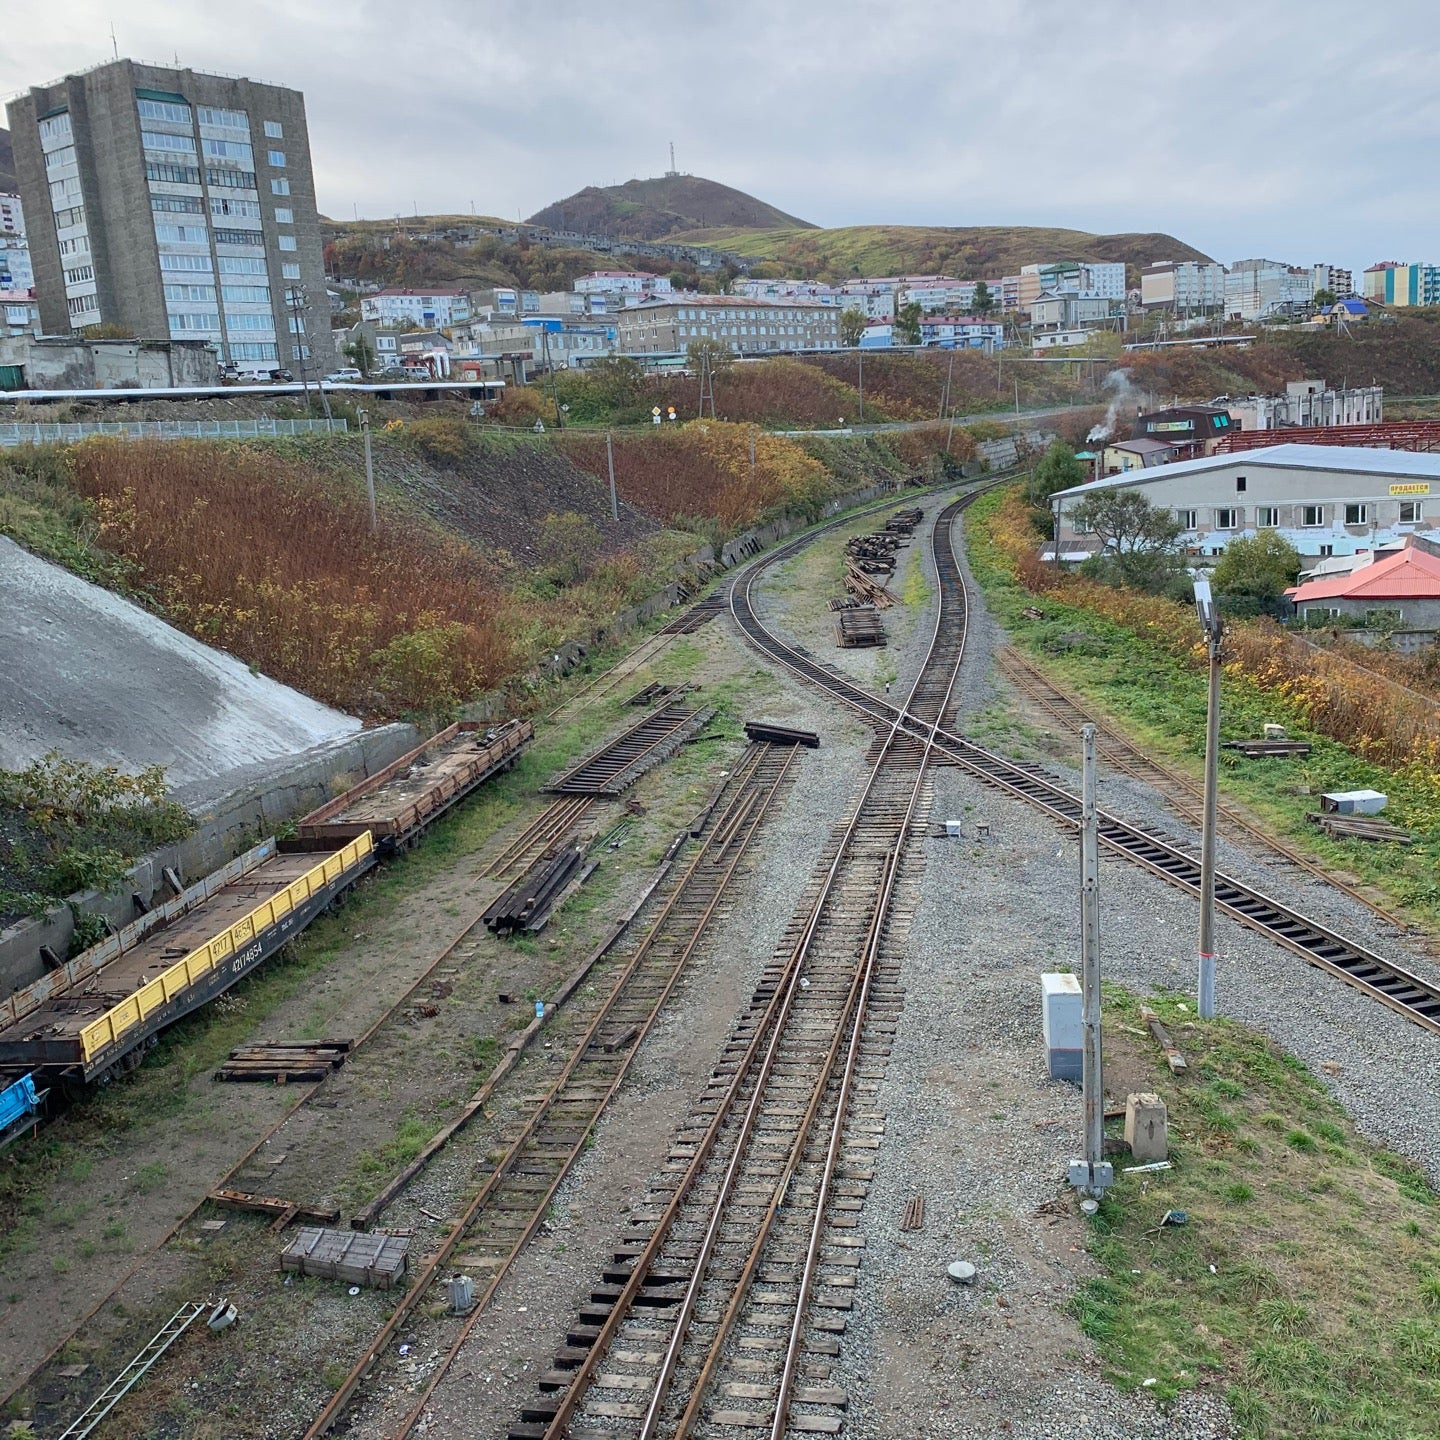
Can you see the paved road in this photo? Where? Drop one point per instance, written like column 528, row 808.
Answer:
column 88, row 673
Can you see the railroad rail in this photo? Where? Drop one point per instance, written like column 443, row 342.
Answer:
column 547, row 829
column 1186, row 797
column 499, row 1218
column 740, row 1273
column 1392, row 984
column 616, row 766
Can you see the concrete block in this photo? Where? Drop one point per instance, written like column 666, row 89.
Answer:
column 1063, row 1024
column 1147, row 1130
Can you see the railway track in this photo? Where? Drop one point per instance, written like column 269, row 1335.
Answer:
column 1186, row 797
column 1392, row 984
column 615, row 767
column 550, row 1129
column 724, row 1305
column 547, row 829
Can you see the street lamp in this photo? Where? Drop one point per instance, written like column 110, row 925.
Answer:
column 1211, row 628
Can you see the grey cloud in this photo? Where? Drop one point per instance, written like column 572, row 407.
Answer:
column 1299, row 130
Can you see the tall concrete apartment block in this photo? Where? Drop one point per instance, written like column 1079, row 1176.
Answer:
column 176, row 205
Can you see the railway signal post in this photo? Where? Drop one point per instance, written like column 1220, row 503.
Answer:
column 1210, row 627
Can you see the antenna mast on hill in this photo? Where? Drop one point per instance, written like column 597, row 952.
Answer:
column 672, row 171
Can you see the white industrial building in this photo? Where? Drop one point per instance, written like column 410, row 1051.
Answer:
column 436, row 308
column 1257, row 288
column 1325, row 499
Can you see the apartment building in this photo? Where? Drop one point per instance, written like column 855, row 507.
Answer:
column 1087, row 280
column 1331, row 277
column 622, row 282
column 1184, row 286
column 1310, row 403
column 16, row 272
column 175, row 204
column 434, row 309
column 747, row 326
column 1257, row 288
column 1391, row 283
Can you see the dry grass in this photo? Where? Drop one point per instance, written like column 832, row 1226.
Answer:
column 276, row 563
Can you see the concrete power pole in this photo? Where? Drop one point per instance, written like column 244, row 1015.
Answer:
column 1093, row 1174
column 1211, row 628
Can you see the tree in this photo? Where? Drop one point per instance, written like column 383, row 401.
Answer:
column 707, row 355
column 852, row 326
column 1260, row 566
column 361, row 353
column 618, row 381
column 1325, row 298
column 1137, row 539
column 984, row 301
column 1058, row 469
column 907, row 324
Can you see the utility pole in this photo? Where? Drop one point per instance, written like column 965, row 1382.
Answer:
column 1017, row 394
column 296, row 300
column 860, row 367
column 1093, row 1174
column 752, row 457
column 610, row 464
column 364, row 416
column 1211, row 628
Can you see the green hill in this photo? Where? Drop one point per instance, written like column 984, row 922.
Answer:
column 967, row 251
column 657, row 209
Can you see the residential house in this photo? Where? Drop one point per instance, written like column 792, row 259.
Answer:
column 1194, row 428
column 1139, row 454
column 1398, row 592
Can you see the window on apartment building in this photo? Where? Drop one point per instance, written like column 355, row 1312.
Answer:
column 227, row 150
column 228, row 179
column 224, row 208
column 1267, row 517
column 252, row 350
column 285, row 242
column 1311, row 515
column 64, row 219
column 79, row 274
column 162, row 110
column 1228, row 519
column 280, row 187
column 249, row 322
column 56, row 129
column 170, row 174
column 57, row 158
column 1239, row 484
column 274, row 130
column 158, row 140
column 236, row 265
column 62, row 192
column 180, row 234
column 174, row 205
column 239, row 237
column 191, row 294
column 276, row 159
column 1411, row 512
column 1326, row 551
column 226, row 119
column 194, row 320
column 284, row 216
column 199, row 263
column 290, row 272
column 79, row 304
column 1357, row 514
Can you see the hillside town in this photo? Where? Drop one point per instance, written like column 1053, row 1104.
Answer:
column 669, row 822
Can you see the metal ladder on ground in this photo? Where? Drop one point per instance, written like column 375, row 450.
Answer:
column 106, row 1400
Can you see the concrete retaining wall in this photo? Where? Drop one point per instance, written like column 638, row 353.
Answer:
column 249, row 805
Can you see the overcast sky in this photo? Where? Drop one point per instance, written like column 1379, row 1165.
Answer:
column 1301, row 130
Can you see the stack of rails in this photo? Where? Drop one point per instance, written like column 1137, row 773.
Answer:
column 88, row 1019
column 93, row 1017
column 529, row 902
column 397, row 803
column 615, row 767
column 860, row 626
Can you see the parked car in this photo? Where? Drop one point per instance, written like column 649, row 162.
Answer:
column 417, row 372
column 344, row 376
column 390, row 372
column 281, row 377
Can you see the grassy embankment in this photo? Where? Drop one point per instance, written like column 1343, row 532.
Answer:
column 1136, row 658
column 1305, row 1285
